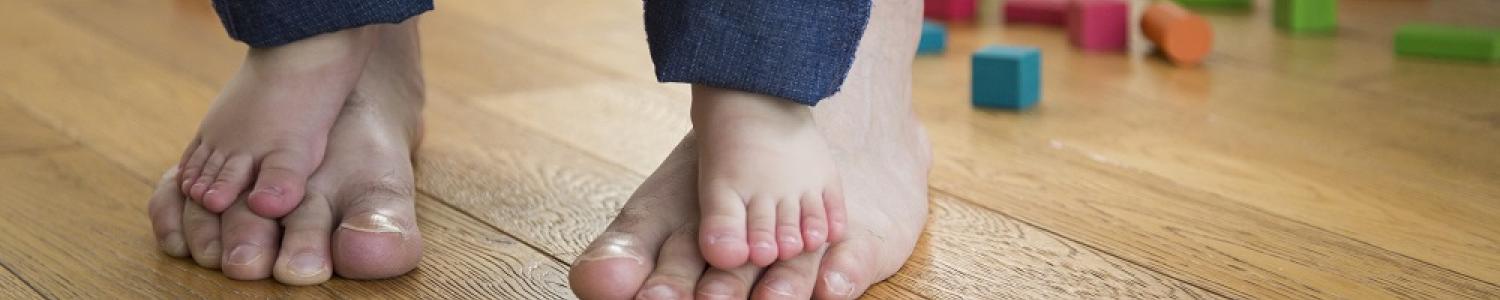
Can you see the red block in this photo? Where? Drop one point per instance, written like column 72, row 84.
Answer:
column 949, row 10
column 1046, row 12
column 1099, row 24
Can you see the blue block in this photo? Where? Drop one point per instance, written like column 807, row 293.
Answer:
column 1007, row 77
column 934, row 38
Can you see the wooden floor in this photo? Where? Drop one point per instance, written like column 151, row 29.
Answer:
column 1286, row 167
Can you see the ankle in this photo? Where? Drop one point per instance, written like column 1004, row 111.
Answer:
column 343, row 51
column 716, row 107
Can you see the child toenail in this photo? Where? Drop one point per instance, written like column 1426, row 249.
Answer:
column 716, row 288
column 244, row 254
column 659, row 291
column 780, row 287
column 307, row 265
column 814, row 234
column 765, row 245
column 373, row 222
column 271, row 190
column 838, row 283
column 613, row 245
column 789, row 239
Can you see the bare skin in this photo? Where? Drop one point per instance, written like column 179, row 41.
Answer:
column 268, row 129
column 877, row 145
column 767, row 184
column 357, row 219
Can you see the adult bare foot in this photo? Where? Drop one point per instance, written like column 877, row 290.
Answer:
column 767, row 183
column 269, row 126
column 365, row 187
column 878, row 146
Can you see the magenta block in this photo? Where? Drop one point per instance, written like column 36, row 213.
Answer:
column 1099, row 24
column 1045, row 12
column 949, row 10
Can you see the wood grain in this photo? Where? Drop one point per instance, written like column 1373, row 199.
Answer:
column 14, row 288
column 21, row 132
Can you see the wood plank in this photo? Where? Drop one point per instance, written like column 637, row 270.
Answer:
column 12, row 287
column 75, row 227
column 1019, row 260
column 1301, row 150
column 21, row 132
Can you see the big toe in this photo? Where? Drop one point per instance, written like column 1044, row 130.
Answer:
column 851, row 266
column 612, row 267
column 377, row 236
column 722, row 234
column 281, row 183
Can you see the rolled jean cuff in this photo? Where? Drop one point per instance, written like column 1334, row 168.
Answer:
column 270, row 23
column 795, row 49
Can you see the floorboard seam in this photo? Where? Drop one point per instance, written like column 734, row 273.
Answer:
column 13, row 273
column 471, row 216
column 1086, row 245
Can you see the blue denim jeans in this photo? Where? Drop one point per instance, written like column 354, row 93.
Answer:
column 800, row 50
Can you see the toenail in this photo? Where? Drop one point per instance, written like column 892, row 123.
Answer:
column 722, row 238
column 838, row 284
column 173, row 244
column 780, row 287
column 272, row 190
column 307, row 264
column 244, row 254
column 613, row 245
column 716, row 288
column 660, row 291
column 765, row 245
column 790, row 239
column 373, row 222
column 212, row 248
column 209, row 192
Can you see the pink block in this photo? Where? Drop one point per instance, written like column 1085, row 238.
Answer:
column 949, row 10
column 1046, row 12
column 1099, row 24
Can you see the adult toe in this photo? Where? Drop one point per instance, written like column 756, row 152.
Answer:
column 678, row 267
column 304, row 257
column 377, row 236
column 252, row 243
column 165, row 211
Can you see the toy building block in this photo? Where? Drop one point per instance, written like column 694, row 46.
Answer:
column 1045, row 12
column 1307, row 16
column 949, row 10
column 1471, row 43
column 934, row 38
column 1185, row 38
column 1099, row 24
column 1216, row 4
column 1007, row 77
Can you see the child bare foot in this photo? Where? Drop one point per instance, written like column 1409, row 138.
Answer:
column 270, row 124
column 767, row 183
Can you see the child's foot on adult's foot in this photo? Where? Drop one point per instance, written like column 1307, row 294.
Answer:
column 767, row 184
column 358, row 219
column 269, row 126
column 879, row 147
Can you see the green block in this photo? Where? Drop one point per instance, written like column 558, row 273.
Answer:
column 1307, row 16
column 1215, row 4
column 1431, row 40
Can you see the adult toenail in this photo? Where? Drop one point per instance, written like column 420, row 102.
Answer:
column 660, row 291
column 373, row 222
column 244, row 254
column 779, row 286
column 212, row 249
column 838, row 283
column 173, row 244
column 307, row 264
column 613, row 245
column 716, row 288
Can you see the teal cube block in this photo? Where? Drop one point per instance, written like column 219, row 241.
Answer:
column 1007, row 77
column 1468, row 43
column 1215, row 4
column 1307, row 16
column 934, row 38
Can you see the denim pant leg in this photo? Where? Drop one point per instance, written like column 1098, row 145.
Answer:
column 795, row 49
column 270, row 23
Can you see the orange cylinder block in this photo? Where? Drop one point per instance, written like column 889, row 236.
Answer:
column 1183, row 36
